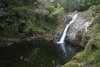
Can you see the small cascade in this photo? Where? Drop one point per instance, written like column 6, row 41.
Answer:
column 61, row 42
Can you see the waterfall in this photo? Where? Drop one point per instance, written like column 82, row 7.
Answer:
column 66, row 28
column 61, row 42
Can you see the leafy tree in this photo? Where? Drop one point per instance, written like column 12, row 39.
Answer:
column 80, row 5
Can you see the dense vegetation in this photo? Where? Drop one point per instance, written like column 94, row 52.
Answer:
column 16, row 15
column 21, row 19
column 79, row 5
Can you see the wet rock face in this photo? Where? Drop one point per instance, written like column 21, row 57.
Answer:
column 66, row 21
column 77, row 32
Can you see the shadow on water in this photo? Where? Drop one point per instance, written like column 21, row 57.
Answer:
column 34, row 54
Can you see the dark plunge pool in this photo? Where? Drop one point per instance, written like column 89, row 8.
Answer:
column 39, row 53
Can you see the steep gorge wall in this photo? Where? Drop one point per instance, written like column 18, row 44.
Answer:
column 89, row 57
column 77, row 33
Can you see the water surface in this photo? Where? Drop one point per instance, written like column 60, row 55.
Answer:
column 39, row 53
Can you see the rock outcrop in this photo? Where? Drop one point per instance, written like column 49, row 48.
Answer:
column 77, row 33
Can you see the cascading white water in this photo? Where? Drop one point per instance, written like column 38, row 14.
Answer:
column 61, row 42
column 64, row 33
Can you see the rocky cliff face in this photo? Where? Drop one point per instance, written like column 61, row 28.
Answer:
column 89, row 57
column 77, row 33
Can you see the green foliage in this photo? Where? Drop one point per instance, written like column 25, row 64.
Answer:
column 80, row 5
column 28, row 16
column 54, row 8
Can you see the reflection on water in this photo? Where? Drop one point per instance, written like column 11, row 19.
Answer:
column 34, row 54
